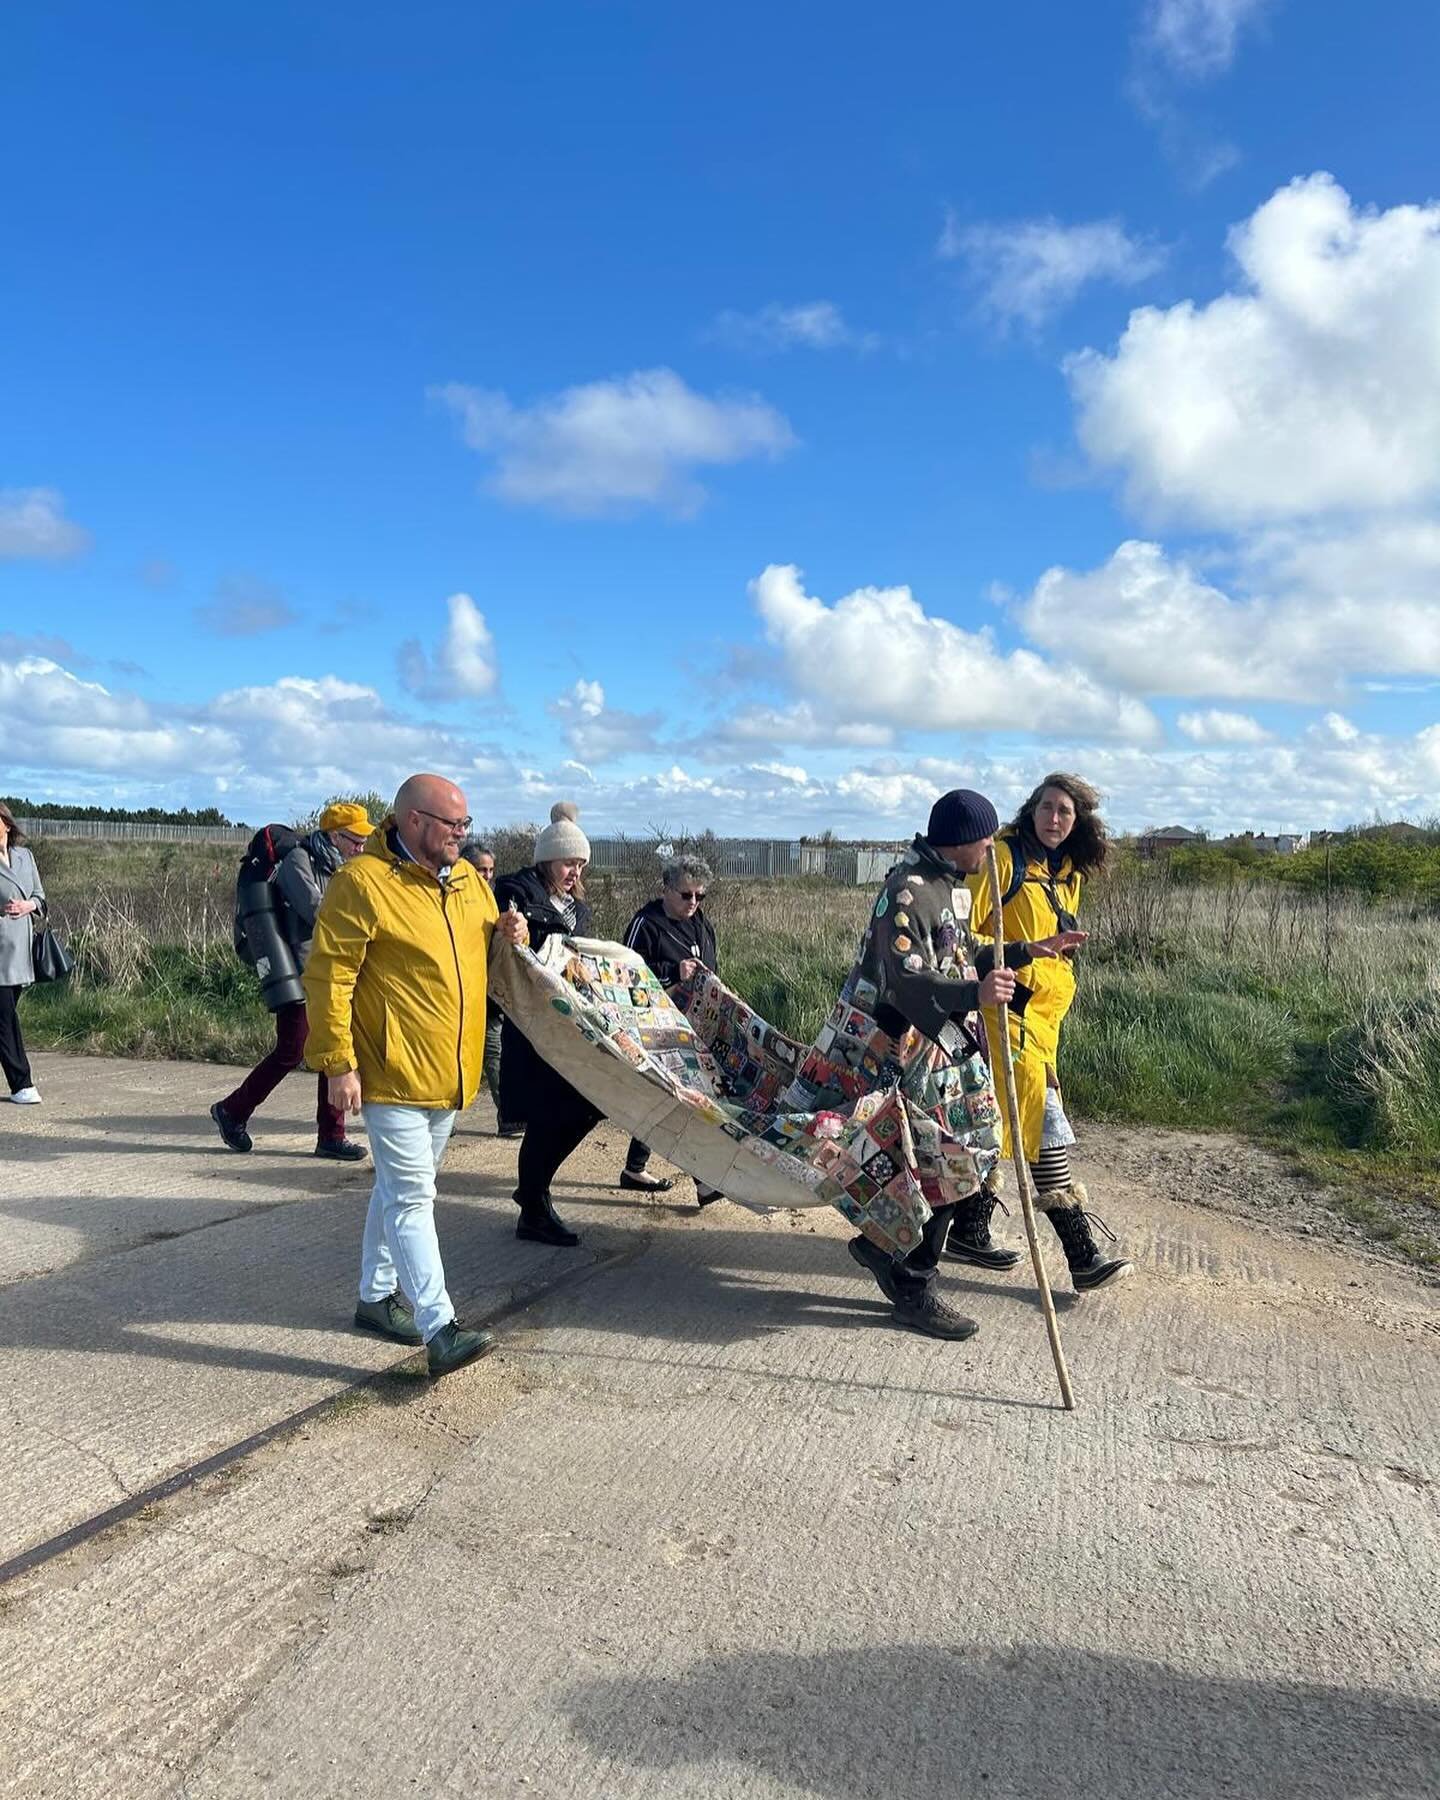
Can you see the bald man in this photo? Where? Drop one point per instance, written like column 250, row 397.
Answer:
column 395, row 989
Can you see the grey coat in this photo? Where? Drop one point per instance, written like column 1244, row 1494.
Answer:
column 19, row 880
column 302, row 879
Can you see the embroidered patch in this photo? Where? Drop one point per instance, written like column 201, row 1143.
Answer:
column 902, row 943
column 905, row 897
column 914, row 963
column 902, row 920
column 882, row 906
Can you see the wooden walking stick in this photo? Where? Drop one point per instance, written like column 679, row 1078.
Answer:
column 1005, row 1062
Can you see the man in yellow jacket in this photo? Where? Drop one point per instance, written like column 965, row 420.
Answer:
column 395, row 993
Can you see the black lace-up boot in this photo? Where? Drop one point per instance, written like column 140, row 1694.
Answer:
column 970, row 1240
column 1088, row 1267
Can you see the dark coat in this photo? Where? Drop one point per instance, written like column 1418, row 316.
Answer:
column 530, row 1090
column 665, row 942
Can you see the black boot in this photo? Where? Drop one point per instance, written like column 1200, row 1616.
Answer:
column 970, row 1240
column 541, row 1224
column 1088, row 1268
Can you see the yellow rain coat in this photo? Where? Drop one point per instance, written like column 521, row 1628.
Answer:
column 396, row 981
column 1046, row 986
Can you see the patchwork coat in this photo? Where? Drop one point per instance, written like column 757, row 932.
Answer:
column 904, row 1018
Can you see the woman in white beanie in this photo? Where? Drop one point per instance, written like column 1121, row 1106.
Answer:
column 551, row 895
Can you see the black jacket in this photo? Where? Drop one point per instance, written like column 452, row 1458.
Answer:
column 530, row 1090
column 665, row 942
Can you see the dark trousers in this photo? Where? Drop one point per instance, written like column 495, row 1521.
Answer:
column 546, row 1144
column 291, row 1030
column 917, row 1271
column 13, row 1059
column 637, row 1156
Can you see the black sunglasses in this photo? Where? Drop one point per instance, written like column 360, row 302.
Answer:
column 690, row 894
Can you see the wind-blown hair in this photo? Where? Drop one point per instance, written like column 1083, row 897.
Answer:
column 17, row 836
column 1088, row 844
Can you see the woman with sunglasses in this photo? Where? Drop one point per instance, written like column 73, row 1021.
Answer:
column 675, row 938
column 1044, row 855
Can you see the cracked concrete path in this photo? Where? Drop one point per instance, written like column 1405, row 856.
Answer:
column 706, row 1524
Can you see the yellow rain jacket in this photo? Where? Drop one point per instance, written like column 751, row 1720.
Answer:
column 395, row 984
column 1046, row 986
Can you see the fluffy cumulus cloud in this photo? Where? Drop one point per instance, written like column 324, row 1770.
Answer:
column 614, row 446
column 1215, row 726
column 1153, row 625
column 463, row 666
column 812, row 325
column 745, row 731
column 597, row 733
column 33, row 525
column 1312, row 388
column 244, row 606
column 1028, row 270
column 56, row 720
column 876, row 656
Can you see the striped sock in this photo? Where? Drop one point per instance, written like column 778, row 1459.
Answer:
column 1051, row 1171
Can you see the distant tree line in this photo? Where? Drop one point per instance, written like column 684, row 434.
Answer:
column 115, row 815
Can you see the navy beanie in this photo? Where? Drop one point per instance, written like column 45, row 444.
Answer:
column 961, row 817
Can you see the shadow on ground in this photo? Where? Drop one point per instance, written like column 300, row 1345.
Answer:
column 934, row 1724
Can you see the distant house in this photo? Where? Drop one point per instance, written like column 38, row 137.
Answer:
column 1170, row 837
column 1282, row 843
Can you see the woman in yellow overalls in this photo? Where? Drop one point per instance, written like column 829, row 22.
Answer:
column 1054, row 842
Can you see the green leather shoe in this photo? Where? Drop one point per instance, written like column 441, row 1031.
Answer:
column 389, row 1318
column 452, row 1347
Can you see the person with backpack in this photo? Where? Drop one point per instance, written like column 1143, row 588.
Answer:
column 290, row 872
column 1043, row 857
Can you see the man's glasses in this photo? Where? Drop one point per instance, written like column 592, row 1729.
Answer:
column 440, row 819
column 691, row 893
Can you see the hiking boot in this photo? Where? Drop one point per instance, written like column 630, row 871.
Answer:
column 340, row 1150
column 1088, row 1267
column 926, row 1312
column 645, row 1184
column 541, row 1224
column 878, row 1263
column 452, row 1347
column 970, row 1240
column 390, row 1318
column 236, row 1136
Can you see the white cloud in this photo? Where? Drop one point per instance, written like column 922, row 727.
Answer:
column 814, row 325
column 1313, row 389
column 597, row 733
column 1029, row 269
column 1152, row 625
column 245, row 607
column 876, row 656
column 776, row 727
column 463, row 666
column 32, row 524
column 614, row 446
column 1215, row 727
column 54, row 719
column 1196, row 39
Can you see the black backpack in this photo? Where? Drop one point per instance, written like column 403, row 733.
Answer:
column 264, row 854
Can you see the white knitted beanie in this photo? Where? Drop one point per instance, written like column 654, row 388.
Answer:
column 562, row 838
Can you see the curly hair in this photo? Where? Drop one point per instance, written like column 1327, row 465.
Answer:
column 1088, row 844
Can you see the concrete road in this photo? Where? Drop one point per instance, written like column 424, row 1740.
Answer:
column 706, row 1525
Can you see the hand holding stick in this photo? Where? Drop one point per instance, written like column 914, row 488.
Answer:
column 1002, row 1060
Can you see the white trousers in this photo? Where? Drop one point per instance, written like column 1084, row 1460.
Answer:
column 400, row 1247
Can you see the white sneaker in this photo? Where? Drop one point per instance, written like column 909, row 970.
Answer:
column 26, row 1097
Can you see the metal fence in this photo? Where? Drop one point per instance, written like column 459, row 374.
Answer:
column 142, row 831
column 752, row 859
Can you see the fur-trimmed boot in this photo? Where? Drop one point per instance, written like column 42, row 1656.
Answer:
column 1065, row 1209
column 970, row 1240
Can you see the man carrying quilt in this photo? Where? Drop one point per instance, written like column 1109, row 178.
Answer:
column 906, row 1015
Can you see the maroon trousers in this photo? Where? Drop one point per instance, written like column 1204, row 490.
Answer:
column 291, row 1030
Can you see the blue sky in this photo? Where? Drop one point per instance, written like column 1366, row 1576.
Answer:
column 755, row 418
